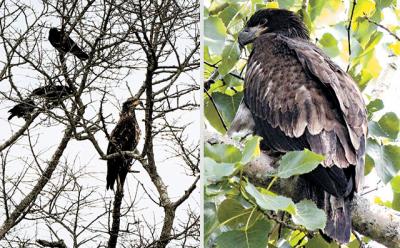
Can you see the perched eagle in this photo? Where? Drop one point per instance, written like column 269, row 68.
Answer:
column 297, row 98
column 65, row 44
column 124, row 137
column 23, row 109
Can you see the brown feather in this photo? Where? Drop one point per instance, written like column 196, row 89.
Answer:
column 297, row 89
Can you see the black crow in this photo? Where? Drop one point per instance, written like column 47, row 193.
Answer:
column 66, row 44
column 22, row 110
column 52, row 92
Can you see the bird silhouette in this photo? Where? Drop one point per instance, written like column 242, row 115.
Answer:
column 52, row 92
column 65, row 44
column 23, row 109
column 124, row 137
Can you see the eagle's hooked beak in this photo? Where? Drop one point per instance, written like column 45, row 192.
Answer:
column 137, row 102
column 141, row 104
column 248, row 35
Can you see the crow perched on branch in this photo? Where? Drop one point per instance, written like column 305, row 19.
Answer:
column 66, row 44
column 22, row 110
column 52, row 92
column 124, row 137
column 298, row 98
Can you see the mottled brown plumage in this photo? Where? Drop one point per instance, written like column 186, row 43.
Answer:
column 299, row 98
column 124, row 137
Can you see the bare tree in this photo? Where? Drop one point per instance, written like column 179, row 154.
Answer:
column 54, row 159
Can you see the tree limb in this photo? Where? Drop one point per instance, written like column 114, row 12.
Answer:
column 116, row 216
column 43, row 180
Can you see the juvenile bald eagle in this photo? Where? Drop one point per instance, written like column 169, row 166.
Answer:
column 124, row 137
column 65, row 44
column 299, row 98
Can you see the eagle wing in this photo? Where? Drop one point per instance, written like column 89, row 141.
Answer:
column 301, row 99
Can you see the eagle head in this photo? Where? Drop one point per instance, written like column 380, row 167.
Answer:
column 130, row 104
column 280, row 21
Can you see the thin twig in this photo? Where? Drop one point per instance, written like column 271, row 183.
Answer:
column 349, row 33
column 383, row 27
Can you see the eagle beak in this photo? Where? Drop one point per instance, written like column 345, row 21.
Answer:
column 135, row 102
column 248, row 35
column 141, row 104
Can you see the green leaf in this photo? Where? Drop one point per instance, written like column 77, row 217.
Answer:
column 390, row 124
column 385, row 3
column 228, row 13
column 381, row 202
column 396, row 184
column 211, row 58
column 236, row 25
column 227, row 105
column 315, row 7
column 220, row 189
column 318, row 242
column 286, row 4
column 230, row 55
column 396, row 201
column 214, row 33
column 298, row 162
column 354, row 244
column 270, row 5
column 395, row 48
column 375, row 130
column 329, row 44
column 232, row 81
column 386, row 159
column 222, row 153
column 297, row 238
column 215, row 172
column 372, row 42
column 309, row 215
column 233, row 214
column 374, row 106
column 363, row 7
column 251, row 149
column 254, row 237
column 217, row 6
column 210, row 218
column 270, row 202
column 306, row 19
column 212, row 116
column 369, row 165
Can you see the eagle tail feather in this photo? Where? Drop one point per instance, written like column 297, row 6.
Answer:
column 338, row 225
column 337, row 210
